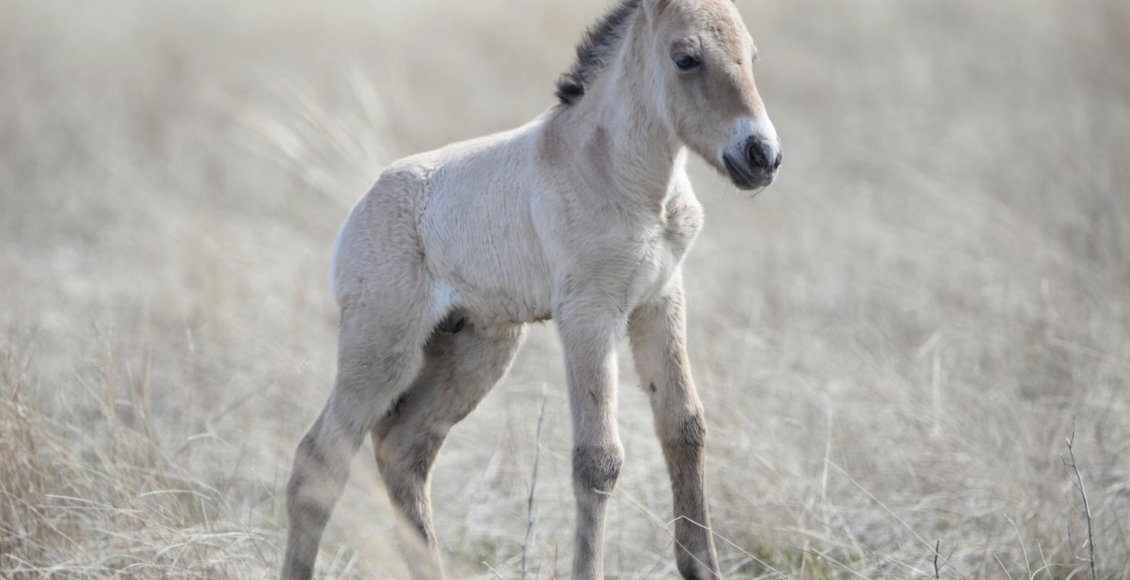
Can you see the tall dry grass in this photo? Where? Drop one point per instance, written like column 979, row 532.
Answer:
column 892, row 343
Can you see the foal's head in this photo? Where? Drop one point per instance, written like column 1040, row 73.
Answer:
column 701, row 57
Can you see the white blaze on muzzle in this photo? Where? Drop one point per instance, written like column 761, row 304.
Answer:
column 753, row 153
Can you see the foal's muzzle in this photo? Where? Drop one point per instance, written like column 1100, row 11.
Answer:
column 755, row 165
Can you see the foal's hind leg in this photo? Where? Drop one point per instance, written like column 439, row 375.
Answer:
column 462, row 363
column 380, row 353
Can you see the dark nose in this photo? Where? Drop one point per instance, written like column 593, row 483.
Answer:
column 760, row 156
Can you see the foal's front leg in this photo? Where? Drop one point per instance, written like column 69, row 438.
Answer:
column 590, row 362
column 658, row 335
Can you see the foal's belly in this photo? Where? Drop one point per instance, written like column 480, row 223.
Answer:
column 514, row 300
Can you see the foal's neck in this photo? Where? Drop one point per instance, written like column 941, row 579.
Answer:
column 644, row 152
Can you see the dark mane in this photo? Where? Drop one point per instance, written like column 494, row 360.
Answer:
column 597, row 44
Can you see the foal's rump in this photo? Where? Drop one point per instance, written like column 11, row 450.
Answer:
column 377, row 250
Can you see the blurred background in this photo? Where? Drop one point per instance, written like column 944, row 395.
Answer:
column 892, row 343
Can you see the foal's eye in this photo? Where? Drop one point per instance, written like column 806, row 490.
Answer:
column 686, row 62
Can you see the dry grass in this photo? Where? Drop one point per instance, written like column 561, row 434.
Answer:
column 892, row 343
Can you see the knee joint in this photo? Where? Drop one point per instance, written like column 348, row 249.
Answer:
column 688, row 432
column 597, row 468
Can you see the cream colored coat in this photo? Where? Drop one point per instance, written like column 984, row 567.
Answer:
column 583, row 216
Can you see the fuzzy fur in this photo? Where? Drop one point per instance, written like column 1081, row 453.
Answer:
column 583, row 216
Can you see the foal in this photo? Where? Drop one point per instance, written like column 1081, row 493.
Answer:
column 583, row 216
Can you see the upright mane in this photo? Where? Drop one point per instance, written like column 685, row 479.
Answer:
column 598, row 43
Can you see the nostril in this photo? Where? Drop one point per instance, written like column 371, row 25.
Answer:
column 755, row 153
column 776, row 162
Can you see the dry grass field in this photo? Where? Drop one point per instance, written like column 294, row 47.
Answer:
column 892, row 343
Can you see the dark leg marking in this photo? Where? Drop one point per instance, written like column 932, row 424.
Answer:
column 597, row 468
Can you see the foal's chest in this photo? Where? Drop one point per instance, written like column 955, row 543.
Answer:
column 664, row 248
